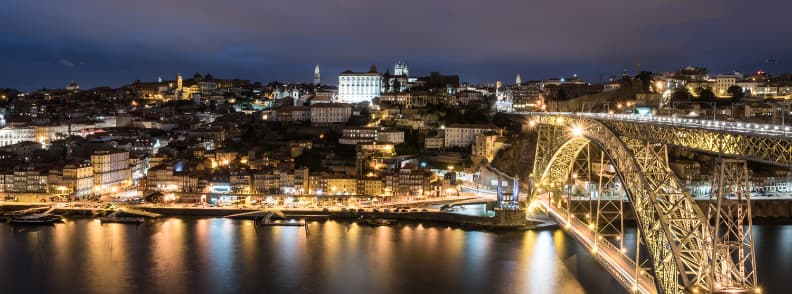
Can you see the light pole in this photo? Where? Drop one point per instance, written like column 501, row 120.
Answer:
column 784, row 111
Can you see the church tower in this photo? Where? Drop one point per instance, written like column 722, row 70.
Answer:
column 317, row 78
column 518, row 80
column 179, row 82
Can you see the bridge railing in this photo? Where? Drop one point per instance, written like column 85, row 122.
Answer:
column 609, row 252
column 714, row 125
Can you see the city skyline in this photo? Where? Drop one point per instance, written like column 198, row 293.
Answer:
column 110, row 44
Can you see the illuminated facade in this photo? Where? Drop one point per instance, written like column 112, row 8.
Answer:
column 461, row 135
column 358, row 87
column 111, row 171
column 330, row 113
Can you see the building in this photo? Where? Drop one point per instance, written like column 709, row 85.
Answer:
column 370, row 186
column 72, row 86
column 330, row 113
column 293, row 114
column 357, row 135
column 408, row 181
column 78, row 179
column 10, row 135
column 611, row 86
column 433, row 142
column 317, row 77
column 484, row 145
column 341, row 186
column 356, row 87
column 267, row 182
column 390, row 136
column 26, row 179
column 464, row 135
column 722, row 84
column 111, row 171
column 241, row 182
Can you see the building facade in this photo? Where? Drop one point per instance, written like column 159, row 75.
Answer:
column 464, row 135
column 358, row 87
column 330, row 113
column 111, row 171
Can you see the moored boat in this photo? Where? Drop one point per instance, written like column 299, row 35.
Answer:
column 36, row 220
column 376, row 221
column 122, row 220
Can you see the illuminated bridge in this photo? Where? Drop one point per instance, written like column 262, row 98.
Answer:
column 590, row 167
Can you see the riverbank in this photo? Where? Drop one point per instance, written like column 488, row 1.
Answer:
column 502, row 220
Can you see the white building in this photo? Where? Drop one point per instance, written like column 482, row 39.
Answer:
column 391, row 136
column 357, row 135
column 10, row 136
column 722, row 84
column 464, row 135
column 358, row 87
column 330, row 113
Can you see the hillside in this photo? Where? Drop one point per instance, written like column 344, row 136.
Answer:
column 595, row 103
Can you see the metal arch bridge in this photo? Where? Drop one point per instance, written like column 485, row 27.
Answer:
column 685, row 249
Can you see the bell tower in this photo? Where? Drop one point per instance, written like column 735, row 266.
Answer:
column 317, row 78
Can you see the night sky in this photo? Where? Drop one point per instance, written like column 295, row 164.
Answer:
column 101, row 42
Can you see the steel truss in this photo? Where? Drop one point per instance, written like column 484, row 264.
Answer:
column 730, row 211
column 751, row 146
column 675, row 231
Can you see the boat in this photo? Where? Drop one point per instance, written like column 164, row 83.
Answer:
column 281, row 224
column 36, row 219
column 121, row 220
column 376, row 221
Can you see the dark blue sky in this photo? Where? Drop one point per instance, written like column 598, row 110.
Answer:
column 100, row 42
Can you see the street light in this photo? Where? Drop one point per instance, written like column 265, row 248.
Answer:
column 577, row 131
column 784, row 111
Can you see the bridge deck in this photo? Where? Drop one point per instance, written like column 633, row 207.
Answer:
column 611, row 258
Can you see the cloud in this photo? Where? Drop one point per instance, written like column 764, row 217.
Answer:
column 483, row 40
column 66, row 62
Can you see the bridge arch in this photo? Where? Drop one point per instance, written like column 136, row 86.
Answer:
column 672, row 226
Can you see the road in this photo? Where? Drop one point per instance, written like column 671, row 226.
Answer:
column 611, row 258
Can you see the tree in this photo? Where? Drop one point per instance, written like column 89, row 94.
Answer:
column 561, row 95
column 310, row 158
column 681, row 95
column 646, row 80
column 736, row 93
column 706, row 95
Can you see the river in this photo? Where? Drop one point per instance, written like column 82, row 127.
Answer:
column 215, row 255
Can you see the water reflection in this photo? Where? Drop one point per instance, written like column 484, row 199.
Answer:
column 189, row 255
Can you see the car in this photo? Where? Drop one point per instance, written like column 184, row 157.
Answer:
column 387, row 210
column 424, row 210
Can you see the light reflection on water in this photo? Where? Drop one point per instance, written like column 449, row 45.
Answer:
column 193, row 255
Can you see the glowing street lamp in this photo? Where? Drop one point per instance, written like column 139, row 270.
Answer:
column 577, row 131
